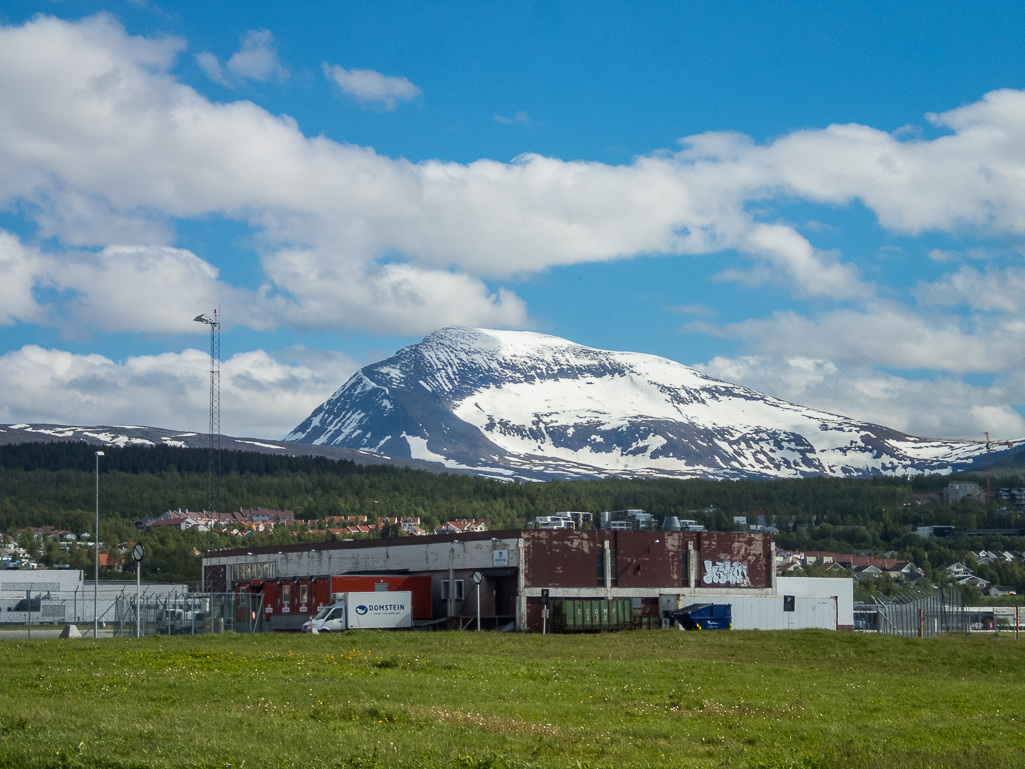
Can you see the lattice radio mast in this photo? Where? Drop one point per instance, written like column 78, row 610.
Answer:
column 214, row 465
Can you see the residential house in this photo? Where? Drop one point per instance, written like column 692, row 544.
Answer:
column 866, row 572
column 461, row 526
column 958, row 571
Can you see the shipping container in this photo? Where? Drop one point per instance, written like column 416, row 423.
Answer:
column 591, row 615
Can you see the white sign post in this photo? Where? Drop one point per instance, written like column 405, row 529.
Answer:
column 137, row 553
column 544, row 610
column 477, row 578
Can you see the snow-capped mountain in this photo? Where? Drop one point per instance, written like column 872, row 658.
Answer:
column 526, row 405
column 139, row 436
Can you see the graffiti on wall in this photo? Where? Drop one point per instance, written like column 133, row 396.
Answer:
column 725, row 572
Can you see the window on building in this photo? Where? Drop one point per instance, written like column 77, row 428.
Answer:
column 304, row 592
column 286, row 594
column 459, row 590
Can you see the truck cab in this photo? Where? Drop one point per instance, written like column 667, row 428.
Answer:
column 329, row 619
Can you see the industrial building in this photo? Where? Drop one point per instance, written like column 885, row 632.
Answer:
column 59, row 596
column 523, row 572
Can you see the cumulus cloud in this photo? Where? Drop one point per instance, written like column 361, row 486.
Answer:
column 212, row 67
column 21, row 270
column 383, row 298
column 520, row 117
column 368, row 86
column 260, row 395
column 151, row 289
column 884, row 333
column 257, row 59
column 105, row 149
column 940, row 407
column 996, row 290
column 114, row 165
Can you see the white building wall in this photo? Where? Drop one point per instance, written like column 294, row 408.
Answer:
column 842, row 589
column 819, row 602
column 766, row 613
column 67, row 596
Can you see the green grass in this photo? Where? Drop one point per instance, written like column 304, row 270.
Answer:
column 796, row 699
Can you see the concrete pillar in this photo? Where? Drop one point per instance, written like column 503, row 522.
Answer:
column 607, row 555
column 519, row 552
column 692, row 565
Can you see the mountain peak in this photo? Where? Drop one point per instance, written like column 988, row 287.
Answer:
column 521, row 404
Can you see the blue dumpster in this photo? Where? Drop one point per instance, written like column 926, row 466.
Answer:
column 704, row 616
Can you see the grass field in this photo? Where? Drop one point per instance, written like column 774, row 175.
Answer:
column 731, row 699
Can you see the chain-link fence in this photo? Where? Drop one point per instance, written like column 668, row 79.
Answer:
column 188, row 614
column 914, row 612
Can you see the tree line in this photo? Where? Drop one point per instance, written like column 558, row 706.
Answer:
column 55, row 484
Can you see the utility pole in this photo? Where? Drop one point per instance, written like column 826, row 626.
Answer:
column 96, row 554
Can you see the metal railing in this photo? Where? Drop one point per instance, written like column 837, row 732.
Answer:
column 914, row 612
column 188, row 614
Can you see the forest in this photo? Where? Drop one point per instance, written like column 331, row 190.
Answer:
column 54, row 484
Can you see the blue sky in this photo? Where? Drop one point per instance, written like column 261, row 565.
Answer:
column 820, row 201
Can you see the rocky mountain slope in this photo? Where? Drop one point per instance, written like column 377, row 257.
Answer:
column 530, row 406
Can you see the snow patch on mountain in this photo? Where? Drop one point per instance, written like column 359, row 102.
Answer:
column 540, row 407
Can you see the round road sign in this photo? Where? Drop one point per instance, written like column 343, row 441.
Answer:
column 137, row 553
column 477, row 577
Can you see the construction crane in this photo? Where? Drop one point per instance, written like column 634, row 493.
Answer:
column 987, row 442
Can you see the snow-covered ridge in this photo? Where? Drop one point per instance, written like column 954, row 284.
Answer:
column 542, row 406
column 148, row 437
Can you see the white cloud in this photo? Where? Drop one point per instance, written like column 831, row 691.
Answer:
column 991, row 291
column 159, row 289
column 520, row 117
column 388, row 299
column 366, row 85
column 257, row 58
column 211, row 67
column 260, row 396
column 149, row 289
column 113, row 165
column 884, row 334
column 106, row 149
column 117, row 161
column 20, row 268
column 971, row 179
column 940, row 407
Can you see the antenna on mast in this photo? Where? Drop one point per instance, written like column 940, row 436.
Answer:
column 214, row 463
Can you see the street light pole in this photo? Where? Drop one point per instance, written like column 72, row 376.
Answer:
column 96, row 554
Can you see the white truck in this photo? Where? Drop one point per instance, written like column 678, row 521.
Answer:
column 391, row 610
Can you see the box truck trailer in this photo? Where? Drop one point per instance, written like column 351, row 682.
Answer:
column 288, row 602
column 380, row 610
